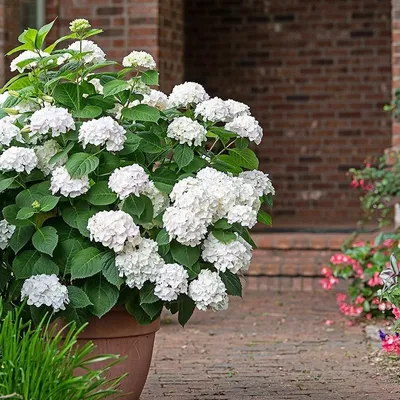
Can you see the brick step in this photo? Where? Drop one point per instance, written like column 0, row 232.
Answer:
column 296, row 254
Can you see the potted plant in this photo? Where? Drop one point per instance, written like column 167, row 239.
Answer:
column 117, row 200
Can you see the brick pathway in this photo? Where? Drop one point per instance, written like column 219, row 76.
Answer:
column 267, row 346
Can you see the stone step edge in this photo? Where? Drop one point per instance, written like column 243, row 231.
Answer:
column 305, row 241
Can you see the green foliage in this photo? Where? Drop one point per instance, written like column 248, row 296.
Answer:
column 41, row 362
column 380, row 189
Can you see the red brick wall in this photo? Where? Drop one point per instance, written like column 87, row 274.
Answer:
column 316, row 74
column 171, row 32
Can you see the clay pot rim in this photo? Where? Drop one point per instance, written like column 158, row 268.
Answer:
column 120, row 324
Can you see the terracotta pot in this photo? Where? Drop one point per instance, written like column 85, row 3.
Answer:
column 119, row 333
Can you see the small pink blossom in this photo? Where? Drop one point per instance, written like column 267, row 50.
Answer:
column 350, row 310
column 329, row 322
column 328, row 283
column 368, row 315
column 396, row 312
column 359, row 243
column 359, row 300
column 341, row 297
column 326, row 271
column 391, row 344
column 354, row 183
column 375, row 280
column 338, row 259
column 388, row 243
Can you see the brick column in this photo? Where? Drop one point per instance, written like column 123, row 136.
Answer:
column 396, row 64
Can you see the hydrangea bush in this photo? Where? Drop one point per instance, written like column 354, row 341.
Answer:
column 113, row 193
column 360, row 265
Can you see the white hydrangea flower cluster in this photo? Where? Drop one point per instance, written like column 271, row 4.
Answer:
column 186, row 226
column 237, row 109
column 139, row 263
column 212, row 195
column 95, row 54
column 246, row 126
column 171, row 281
column 62, row 182
column 55, row 119
column 243, row 214
column 156, row 99
column 45, row 152
column 139, row 59
column 125, row 181
column 6, row 231
column 113, row 229
column 187, row 93
column 19, row 159
column 104, row 130
column 9, row 132
column 186, row 130
column 25, row 56
column 45, row 290
column 208, row 290
column 214, row 110
column 234, row 256
column 260, row 182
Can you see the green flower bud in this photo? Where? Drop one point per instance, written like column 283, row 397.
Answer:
column 13, row 93
column 36, row 205
column 49, row 99
column 26, row 129
column 79, row 25
column 11, row 111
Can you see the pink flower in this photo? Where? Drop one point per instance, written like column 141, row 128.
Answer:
column 328, row 283
column 368, row 316
column 359, row 300
column 350, row 310
column 375, row 300
column 338, row 259
column 388, row 243
column 360, row 243
column 375, row 280
column 368, row 187
column 370, row 265
column 326, row 271
column 341, row 297
column 354, row 183
column 384, row 306
column 396, row 312
column 329, row 322
column 391, row 344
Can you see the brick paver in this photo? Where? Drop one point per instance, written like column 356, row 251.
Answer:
column 267, row 346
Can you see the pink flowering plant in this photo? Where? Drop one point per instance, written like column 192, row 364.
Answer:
column 380, row 188
column 360, row 265
column 113, row 193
